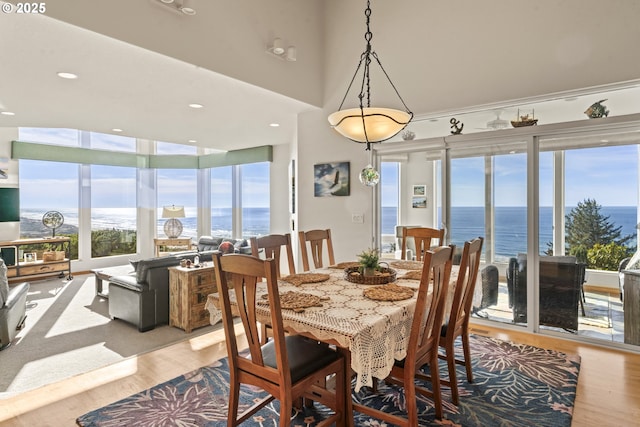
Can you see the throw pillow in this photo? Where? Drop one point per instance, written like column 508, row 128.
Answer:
column 4, row 283
column 239, row 244
column 226, row 248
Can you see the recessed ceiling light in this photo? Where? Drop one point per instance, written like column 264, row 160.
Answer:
column 66, row 75
column 116, row 130
column 196, row 105
column 192, row 140
column 274, row 125
column 8, row 113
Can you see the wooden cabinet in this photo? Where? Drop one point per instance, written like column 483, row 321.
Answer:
column 631, row 306
column 188, row 291
column 37, row 257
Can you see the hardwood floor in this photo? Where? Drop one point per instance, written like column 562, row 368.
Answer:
column 608, row 386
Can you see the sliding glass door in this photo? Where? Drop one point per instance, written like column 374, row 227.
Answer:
column 559, row 214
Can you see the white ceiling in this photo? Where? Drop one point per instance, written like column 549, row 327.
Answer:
column 123, row 86
column 147, row 94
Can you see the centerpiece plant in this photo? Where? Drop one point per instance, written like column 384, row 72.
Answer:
column 369, row 262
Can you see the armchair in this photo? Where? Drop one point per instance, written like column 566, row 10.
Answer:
column 13, row 306
column 561, row 280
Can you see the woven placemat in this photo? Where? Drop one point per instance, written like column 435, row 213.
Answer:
column 412, row 275
column 343, row 265
column 407, row 265
column 299, row 279
column 390, row 292
column 296, row 301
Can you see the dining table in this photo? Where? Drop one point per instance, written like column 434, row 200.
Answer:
column 372, row 333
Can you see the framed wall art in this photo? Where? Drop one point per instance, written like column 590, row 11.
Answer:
column 331, row 179
column 292, row 187
column 419, row 190
column 419, row 197
column 419, row 202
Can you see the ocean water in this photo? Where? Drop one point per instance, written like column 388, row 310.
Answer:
column 255, row 220
column 466, row 223
column 511, row 225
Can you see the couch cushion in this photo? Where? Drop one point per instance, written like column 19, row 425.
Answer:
column 146, row 264
column 208, row 243
column 4, row 283
column 239, row 244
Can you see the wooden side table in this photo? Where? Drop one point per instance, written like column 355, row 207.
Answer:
column 184, row 242
column 188, row 291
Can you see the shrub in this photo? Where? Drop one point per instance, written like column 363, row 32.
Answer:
column 606, row 257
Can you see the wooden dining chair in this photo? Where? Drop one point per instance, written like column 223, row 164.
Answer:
column 457, row 322
column 272, row 245
column 422, row 237
column 423, row 340
column 287, row 367
column 316, row 240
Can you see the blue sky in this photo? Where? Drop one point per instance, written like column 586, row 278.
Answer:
column 607, row 174
column 115, row 186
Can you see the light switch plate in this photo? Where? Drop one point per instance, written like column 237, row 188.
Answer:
column 357, row 218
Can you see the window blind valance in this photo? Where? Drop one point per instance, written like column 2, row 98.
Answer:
column 56, row 153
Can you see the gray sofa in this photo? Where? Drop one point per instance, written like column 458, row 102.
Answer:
column 143, row 298
column 208, row 244
column 13, row 306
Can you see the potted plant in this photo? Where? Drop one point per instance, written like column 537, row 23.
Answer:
column 369, row 261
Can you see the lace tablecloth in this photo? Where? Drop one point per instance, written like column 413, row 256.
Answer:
column 375, row 332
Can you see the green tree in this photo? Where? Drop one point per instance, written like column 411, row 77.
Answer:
column 586, row 227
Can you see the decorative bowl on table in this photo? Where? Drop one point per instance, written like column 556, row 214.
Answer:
column 381, row 277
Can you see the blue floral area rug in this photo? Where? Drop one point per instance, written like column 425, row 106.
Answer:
column 514, row 385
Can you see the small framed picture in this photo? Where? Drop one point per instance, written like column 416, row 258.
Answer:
column 331, row 179
column 419, row 202
column 30, row 257
column 419, row 190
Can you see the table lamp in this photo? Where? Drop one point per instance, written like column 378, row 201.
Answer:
column 173, row 226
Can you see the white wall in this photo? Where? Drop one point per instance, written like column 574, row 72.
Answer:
column 446, row 55
column 417, row 171
column 318, row 143
column 229, row 37
column 9, row 230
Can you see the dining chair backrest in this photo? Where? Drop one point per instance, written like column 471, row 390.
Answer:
column 465, row 285
column 242, row 273
column 422, row 237
column 287, row 367
column 317, row 240
column 429, row 312
column 457, row 322
column 272, row 245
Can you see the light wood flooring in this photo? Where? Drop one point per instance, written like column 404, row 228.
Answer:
column 608, row 387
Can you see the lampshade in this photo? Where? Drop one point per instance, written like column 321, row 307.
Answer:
column 173, row 211
column 369, row 124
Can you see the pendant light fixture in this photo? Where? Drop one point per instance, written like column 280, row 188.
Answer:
column 367, row 124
